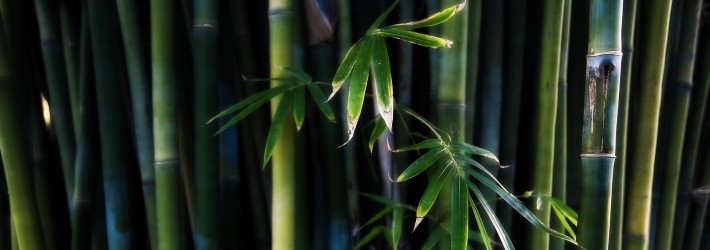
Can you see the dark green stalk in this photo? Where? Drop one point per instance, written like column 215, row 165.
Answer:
column 204, row 42
column 16, row 160
column 115, row 141
column 59, row 102
column 645, row 124
column 433, row 6
column 617, row 201
column 69, row 20
column 512, row 92
column 474, row 9
column 679, row 94
column 544, row 127
column 165, row 125
column 698, row 226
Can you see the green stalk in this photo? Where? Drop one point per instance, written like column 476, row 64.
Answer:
column 474, row 9
column 553, row 13
column 16, row 160
column 165, row 125
column 115, row 142
column 69, row 19
column 617, row 200
column 139, row 83
column 512, row 92
column 645, row 124
column 601, row 97
column 287, row 207
column 698, row 210
column 679, row 94
column 204, row 43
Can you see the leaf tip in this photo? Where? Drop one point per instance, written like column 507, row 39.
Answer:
column 416, row 223
column 332, row 94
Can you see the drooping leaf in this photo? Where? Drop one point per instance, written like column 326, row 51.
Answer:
column 502, row 234
column 468, row 148
column 480, row 167
column 426, row 202
column 563, row 220
column 369, row 236
column 566, row 211
column 382, row 78
column 321, row 102
column 421, row 164
column 415, row 37
column 433, row 238
column 379, row 215
column 397, row 221
column 434, row 19
column 459, row 214
column 299, row 106
column 246, row 102
column 377, row 132
column 346, row 66
column 358, row 86
column 482, row 234
column 298, row 74
column 427, row 144
column 277, row 125
column 381, row 18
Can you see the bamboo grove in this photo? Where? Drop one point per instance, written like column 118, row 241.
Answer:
column 337, row 124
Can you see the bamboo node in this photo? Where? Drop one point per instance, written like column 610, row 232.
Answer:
column 612, row 53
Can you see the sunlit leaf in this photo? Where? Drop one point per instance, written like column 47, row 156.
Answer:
column 563, row 220
column 426, row 202
column 382, row 80
column 421, row 164
column 298, row 74
column 502, row 234
column 568, row 212
column 459, row 214
column 434, row 19
column 358, row 86
column 346, row 66
column 427, row 144
column 468, row 148
column 321, row 102
column 369, row 236
column 277, row 125
column 480, row 167
column 415, row 37
column 397, row 221
column 377, row 132
column 482, row 234
column 299, row 106
column 250, row 100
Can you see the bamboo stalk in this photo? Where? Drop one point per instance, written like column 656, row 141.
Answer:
column 70, row 23
column 644, row 122
column 698, row 210
column 474, row 9
column 553, row 13
column 165, row 125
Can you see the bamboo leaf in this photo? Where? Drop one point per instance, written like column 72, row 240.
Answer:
column 482, row 234
column 378, row 215
column 244, row 113
column 427, row 144
column 369, row 236
column 266, row 94
column 381, row 199
column 299, row 106
column 480, row 167
column 468, row 148
column 433, row 238
column 563, row 220
column 277, row 124
column 346, row 66
column 415, row 37
column 459, row 214
column 566, row 211
column 358, row 86
column 382, row 78
column 397, row 221
column 505, row 238
column 436, row 18
column 377, row 132
column 426, row 202
column 298, row 74
column 319, row 99
column 381, row 18
column 421, row 164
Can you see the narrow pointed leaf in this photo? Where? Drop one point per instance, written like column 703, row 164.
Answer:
column 298, row 74
column 426, row 202
column 244, row 113
column 427, row 144
column 377, row 132
column 358, row 86
column 369, row 236
column 299, row 106
column 566, row 211
column 459, row 214
column 381, row 199
column 480, row 167
column 468, row 148
column 267, row 94
column 502, row 234
column 415, row 38
column 321, row 102
column 433, row 238
column 378, row 215
column 381, row 18
column 436, row 18
column 346, row 66
column 277, row 124
column 563, row 220
column 481, row 227
column 397, row 221
column 421, row 164
column 382, row 78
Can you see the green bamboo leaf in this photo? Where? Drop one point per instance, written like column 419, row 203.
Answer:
column 415, row 37
column 563, row 220
column 346, row 66
column 505, row 238
column 436, row 18
column 382, row 78
column 377, row 132
column 244, row 113
column 397, row 221
column 298, row 74
column 267, row 94
column 358, row 86
column 369, row 236
column 381, row 18
column 520, row 207
column 480, row 167
column 482, row 234
column 468, row 148
column 319, row 99
column 277, row 124
column 421, row 164
column 426, row 202
column 299, row 106
column 433, row 238
column 459, row 214
column 381, row 199
column 426, row 144
column 566, row 211
column 378, row 215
